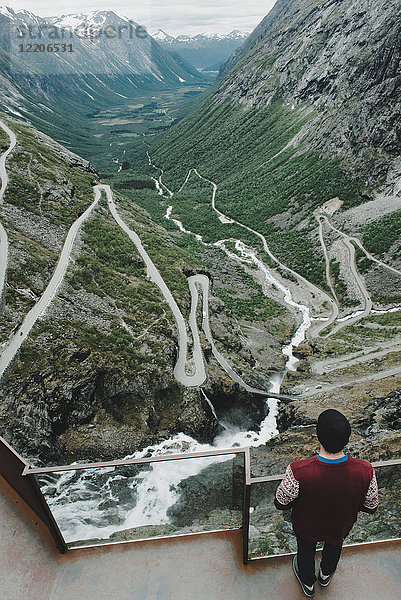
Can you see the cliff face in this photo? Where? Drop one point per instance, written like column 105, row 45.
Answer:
column 276, row 15
column 342, row 60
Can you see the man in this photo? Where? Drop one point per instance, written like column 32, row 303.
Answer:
column 325, row 493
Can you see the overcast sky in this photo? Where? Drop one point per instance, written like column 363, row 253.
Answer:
column 185, row 16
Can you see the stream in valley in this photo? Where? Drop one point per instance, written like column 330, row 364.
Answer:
column 96, row 503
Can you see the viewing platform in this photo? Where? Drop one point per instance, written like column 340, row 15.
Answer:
column 200, row 567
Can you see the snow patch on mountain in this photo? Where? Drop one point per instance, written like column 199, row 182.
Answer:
column 7, row 12
column 203, row 50
column 19, row 15
column 162, row 36
column 92, row 20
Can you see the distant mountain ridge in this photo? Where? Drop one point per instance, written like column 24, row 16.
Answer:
column 103, row 43
column 277, row 14
column 203, row 49
column 235, row 34
column 55, row 70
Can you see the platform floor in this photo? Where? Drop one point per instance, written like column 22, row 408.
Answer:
column 206, row 567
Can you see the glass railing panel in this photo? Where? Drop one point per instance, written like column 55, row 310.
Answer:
column 385, row 524
column 143, row 501
column 270, row 530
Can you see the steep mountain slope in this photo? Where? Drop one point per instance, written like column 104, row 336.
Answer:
column 311, row 112
column 104, row 350
column 341, row 59
column 125, row 47
column 102, row 43
column 277, row 15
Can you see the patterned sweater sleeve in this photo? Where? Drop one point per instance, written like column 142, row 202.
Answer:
column 371, row 501
column 287, row 492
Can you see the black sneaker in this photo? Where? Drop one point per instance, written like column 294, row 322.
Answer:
column 308, row 590
column 324, row 580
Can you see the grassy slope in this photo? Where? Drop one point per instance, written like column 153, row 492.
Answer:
column 46, row 193
column 237, row 148
column 380, row 236
column 32, row 166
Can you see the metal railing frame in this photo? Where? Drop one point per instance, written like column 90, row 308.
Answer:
column 13, row 468
column 131, row 461
column 22, row 477
column 31, row 472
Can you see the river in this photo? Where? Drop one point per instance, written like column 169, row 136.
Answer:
column 96, row 503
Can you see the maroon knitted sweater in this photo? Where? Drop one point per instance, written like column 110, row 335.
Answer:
column 325, row 498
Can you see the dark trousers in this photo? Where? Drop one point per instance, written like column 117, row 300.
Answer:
column 306, row 560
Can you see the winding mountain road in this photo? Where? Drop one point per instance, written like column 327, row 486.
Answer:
column 198, row 371
column 3, row 262
column 17, row 339
column 358, row 242
column 198, row 377
column 328, row 387
column 180, row 373
column 191, row 371
column 3, row 233
column 349, row 242
column 3, row 158
column 204, row 283
column 327, row 261
column 310, row 286
column 331, row 364
column 362, row 288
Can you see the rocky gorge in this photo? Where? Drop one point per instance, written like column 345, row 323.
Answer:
column 212, row 497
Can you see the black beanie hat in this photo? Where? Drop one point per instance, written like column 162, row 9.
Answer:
column 333, row 430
